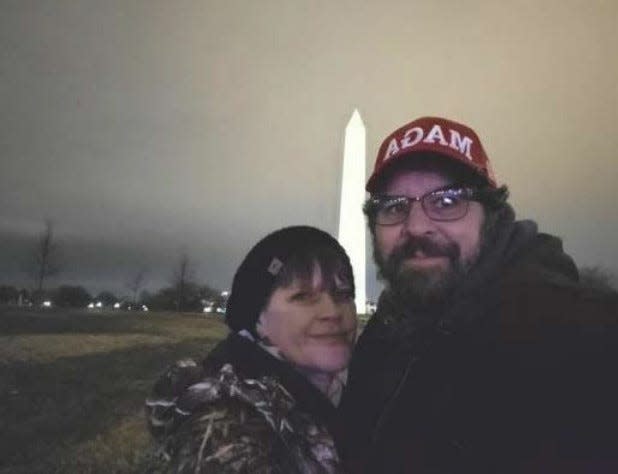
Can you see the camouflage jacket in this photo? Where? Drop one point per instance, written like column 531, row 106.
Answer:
column 225, row 423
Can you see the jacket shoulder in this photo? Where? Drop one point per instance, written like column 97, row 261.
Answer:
column 226, row 437
column 228, row 424
column 217, row 423
column 549, row 304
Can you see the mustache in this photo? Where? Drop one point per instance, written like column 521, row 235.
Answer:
column 427, row 246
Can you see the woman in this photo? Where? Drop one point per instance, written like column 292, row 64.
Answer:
column 263, row 401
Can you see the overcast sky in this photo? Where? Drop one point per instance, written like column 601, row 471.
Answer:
column 147, row 128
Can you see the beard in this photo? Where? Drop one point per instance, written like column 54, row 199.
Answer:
column 423, row 287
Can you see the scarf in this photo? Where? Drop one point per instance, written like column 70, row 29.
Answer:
column 335, row 389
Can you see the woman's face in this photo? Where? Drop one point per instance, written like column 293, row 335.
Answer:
column 312, row 327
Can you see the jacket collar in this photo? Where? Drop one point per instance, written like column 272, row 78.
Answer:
column 251, row 361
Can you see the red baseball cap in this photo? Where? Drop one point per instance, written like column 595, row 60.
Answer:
column 433, row 134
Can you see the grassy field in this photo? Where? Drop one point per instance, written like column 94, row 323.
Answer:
column 73, row 383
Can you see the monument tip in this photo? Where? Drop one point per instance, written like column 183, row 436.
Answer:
column 356, row 119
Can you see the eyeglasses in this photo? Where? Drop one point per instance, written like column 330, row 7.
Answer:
column 447, row 204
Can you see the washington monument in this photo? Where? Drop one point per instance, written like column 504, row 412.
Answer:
column 351, row 219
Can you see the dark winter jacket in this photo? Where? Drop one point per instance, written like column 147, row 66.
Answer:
column 242, row 411
column 517, row 373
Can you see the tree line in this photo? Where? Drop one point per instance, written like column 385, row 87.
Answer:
column 182, row 294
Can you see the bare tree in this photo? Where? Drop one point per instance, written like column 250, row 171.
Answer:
column 181, row 280
column 597, row 277
column 45, row 258
column 136, row 283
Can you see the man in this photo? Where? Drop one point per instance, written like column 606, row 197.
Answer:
column 485, row 354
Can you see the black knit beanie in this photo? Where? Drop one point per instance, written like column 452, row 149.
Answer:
column 256, row 276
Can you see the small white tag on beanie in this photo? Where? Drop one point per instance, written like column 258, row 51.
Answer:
column 275, row 266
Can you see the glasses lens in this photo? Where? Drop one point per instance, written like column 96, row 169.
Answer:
column 392, row 210
column 447, row 205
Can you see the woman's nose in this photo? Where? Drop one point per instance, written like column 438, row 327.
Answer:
column 329, row 307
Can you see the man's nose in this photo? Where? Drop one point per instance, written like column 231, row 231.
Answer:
column 417, row 222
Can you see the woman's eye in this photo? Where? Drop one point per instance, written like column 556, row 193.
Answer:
column 344, row 294
column 303, row 296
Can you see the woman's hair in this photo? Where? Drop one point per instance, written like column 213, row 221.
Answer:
column 276, row 261
column 301, row 265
